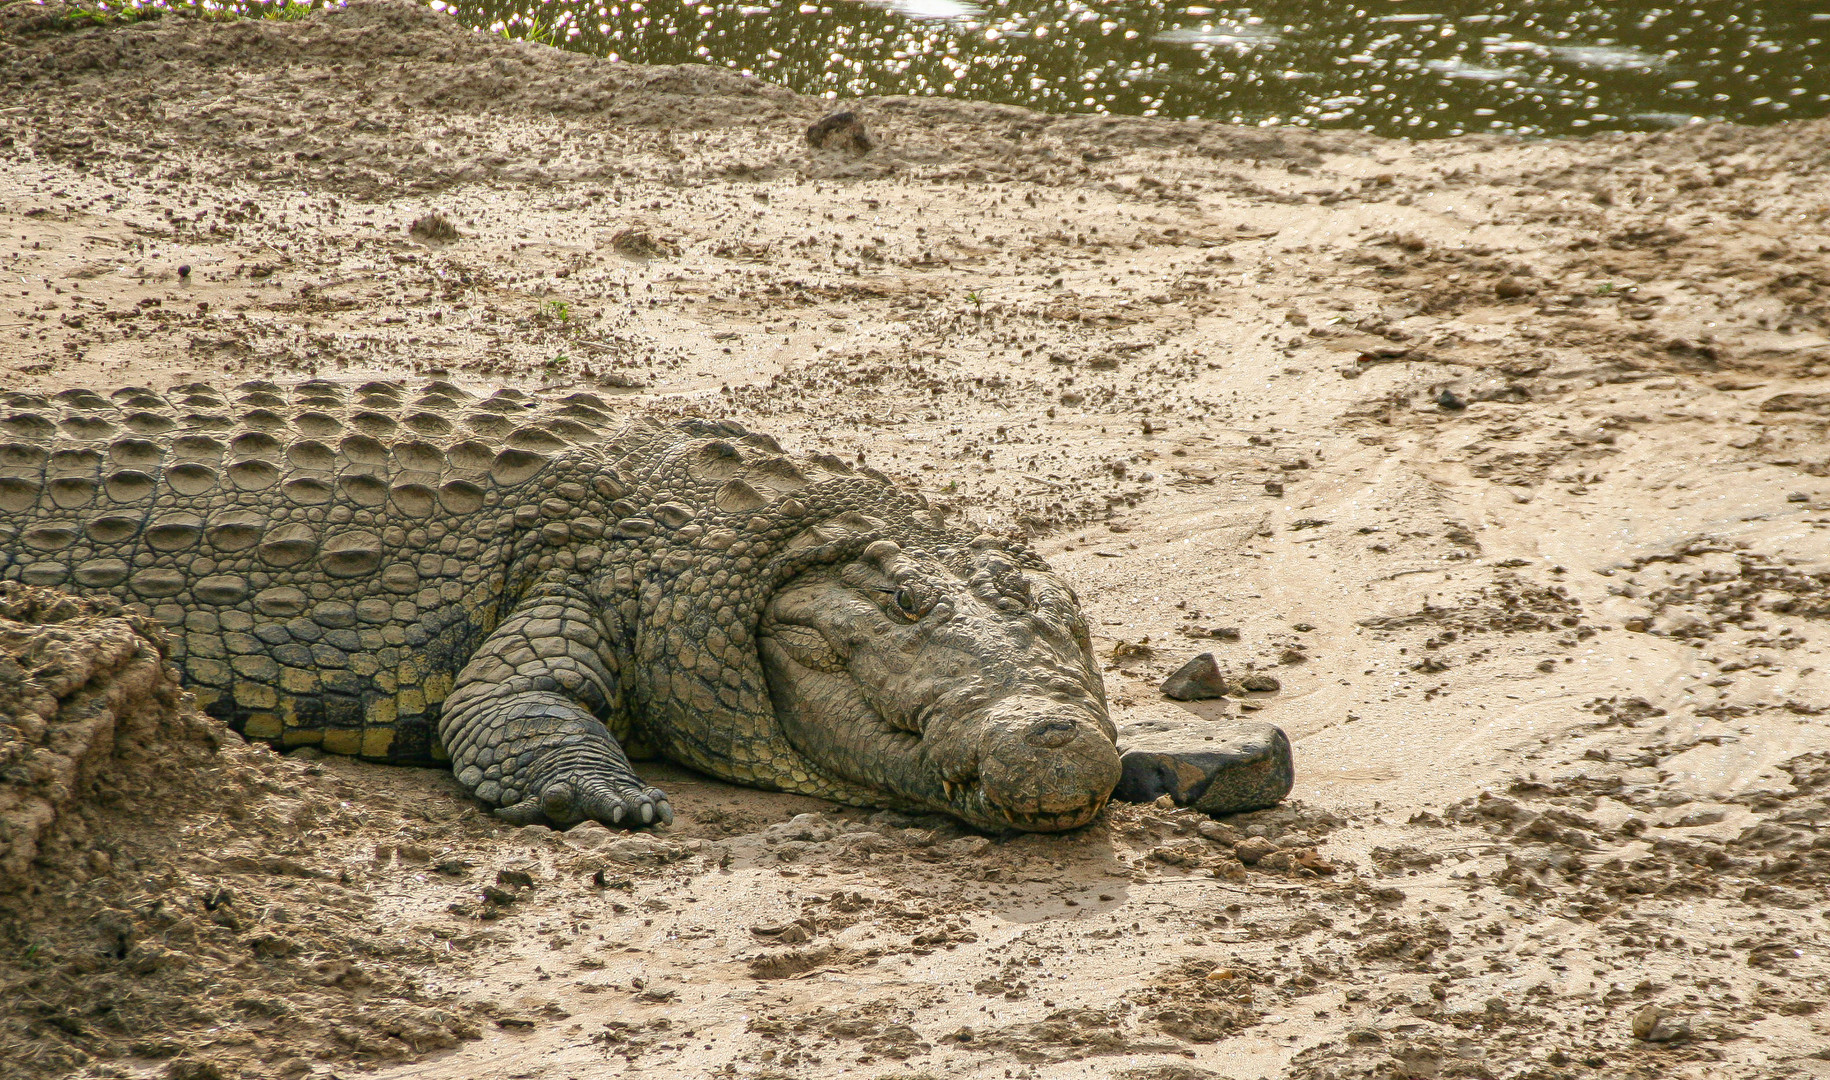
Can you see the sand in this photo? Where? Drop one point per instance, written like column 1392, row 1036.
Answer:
column 1509, row 461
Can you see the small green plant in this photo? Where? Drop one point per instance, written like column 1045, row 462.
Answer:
column 537, row 28
column 557, row 363
column 977, row 301
column 557, row 310
column 285, row 10
column 1604, row 288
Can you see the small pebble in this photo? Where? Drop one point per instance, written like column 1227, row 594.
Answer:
column 1252, row 849
column 1657, row 1024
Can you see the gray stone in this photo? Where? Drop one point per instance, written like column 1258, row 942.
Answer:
column 1656, row 1023
column 1213, row 767
column 1197, row 680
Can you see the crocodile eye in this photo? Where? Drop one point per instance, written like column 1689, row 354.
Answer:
column 908, row 603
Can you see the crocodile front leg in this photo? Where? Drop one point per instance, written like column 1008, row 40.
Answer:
column 525, row 722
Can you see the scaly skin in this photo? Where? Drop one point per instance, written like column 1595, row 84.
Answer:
column 523, row 589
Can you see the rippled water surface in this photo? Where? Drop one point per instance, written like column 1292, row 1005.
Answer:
column 1398, row 67
column 1411, row 67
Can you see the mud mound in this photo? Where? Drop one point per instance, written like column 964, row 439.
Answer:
column 89, row 718
column 118, row 941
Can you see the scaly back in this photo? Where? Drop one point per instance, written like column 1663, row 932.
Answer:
column 325, row 557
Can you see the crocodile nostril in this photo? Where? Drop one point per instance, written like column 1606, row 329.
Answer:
column 1050, row 734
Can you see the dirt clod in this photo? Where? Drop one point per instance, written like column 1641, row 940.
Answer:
column 435, row 228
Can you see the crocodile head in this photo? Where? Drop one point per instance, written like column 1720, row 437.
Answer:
column 965, row 685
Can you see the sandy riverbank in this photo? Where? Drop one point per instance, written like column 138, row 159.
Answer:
column 1510, row 461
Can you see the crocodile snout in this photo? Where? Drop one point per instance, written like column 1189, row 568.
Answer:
column 1045, row 765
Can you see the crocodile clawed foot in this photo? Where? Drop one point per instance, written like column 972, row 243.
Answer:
column 563, row 802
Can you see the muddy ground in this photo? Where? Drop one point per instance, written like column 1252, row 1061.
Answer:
column 1510, row 462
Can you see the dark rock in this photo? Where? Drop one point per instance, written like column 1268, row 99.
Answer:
column 1216, row 768
column 1197, row 680
column 1260, row 684
column 1227, row 633
column 841, row 131
column 1273, row 487
column 1450, row 400
column 1512, row 288
column 434, row 228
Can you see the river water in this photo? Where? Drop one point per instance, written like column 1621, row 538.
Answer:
column 1422, row 68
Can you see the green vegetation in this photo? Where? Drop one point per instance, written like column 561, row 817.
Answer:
column 537, row 27
column 556, row 310
column 287, row 10
column 78, row 16
column 101, row 13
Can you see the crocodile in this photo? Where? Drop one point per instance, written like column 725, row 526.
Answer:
column 534, row 589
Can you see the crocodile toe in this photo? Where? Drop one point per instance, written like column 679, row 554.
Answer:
column 567, row 802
